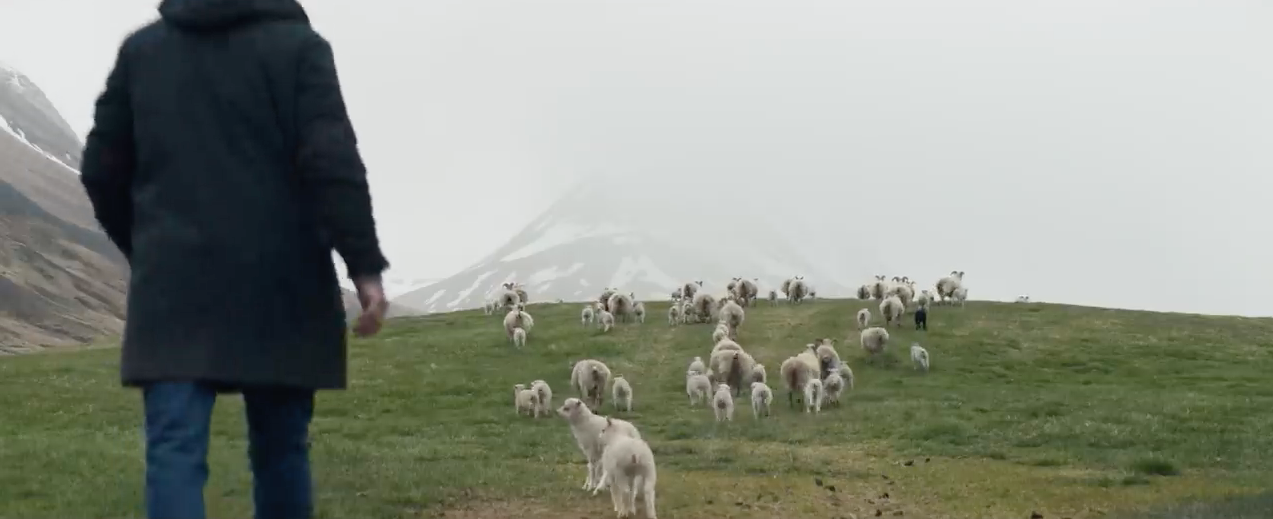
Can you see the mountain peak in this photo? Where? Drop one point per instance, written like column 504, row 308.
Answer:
column 25, row 113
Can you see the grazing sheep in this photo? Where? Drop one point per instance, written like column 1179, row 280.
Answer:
column 545, row 395
column 723, row 403
column 690, row 289
column 798, row 290
column 696, row 365
column 525, row 400
column 673, row 315
column 796, row 372
column 773, row 297
column 961, row 295
column 519, row 338
column 919, row 356
column 864, row 292
column 517, row 318
column 622, row 307
column 732, row 315
column 733, row 367
column 761, row 397
column 589, row 377
column 622, row 393
column 864, row 319
column 628, row 469
column 946, row 286
column 813, row 395
column 606, row 321
column 638, row 309
column 832, row 386
column 921, row 318
column 697, row 386
column 892, row 310
column 704, row 306
column 587, row 315
column 758, row 373
column 874, row 340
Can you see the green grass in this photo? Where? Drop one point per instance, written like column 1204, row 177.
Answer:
column 1067, row 411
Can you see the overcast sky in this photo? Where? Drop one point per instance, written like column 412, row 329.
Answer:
column 1096, row 151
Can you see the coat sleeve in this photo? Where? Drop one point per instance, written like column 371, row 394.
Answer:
column 329, row 164
column 109, row 159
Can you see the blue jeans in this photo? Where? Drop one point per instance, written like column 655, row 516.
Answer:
column 178, row 416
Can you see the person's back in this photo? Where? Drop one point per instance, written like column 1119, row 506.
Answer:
column 223, row 165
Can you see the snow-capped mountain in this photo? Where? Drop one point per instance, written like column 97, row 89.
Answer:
column 594, row 238
column 394, row 285
column 63, row 281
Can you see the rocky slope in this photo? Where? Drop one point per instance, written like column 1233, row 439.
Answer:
column 63, row 282
column 593, row 238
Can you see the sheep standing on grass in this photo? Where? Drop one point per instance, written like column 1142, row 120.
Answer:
column 833, row 386
column 732, row 315
column 720, row 333
column 921, row 318
column 903, row 292
column 622, row 307
column 798, row 290
column 697, row 387
column 638, row 309
column 586, row 427
column 946, row 286
column 745, row 291
column 919, row 357
column 622, row 394
column 690, row 289
column 864, row 292
column 813, row 395
column 517, row 318
column 508, row 299
column 697, row 366
column 603, row 301
column 590, row 377
column 892, row 310
column 846, row 373
column 773, row 297
column 879, row 287
column 704, row 306
column 525, row 400
column 864, row 319
column 723, row 403
column 545, row 394
column 874, row 340
column 628, row 469
column 796, row 372
column 606, row 321
column 519, row 338
column 786, row 286
column 758, row 373
column 673, row 315
column 761, row 398
column 961, row 295
column 924, row 299
column 586, row 315
column 734, row 367
column 828, row 358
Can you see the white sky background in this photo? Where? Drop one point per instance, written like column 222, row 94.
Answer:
column 1102, row 152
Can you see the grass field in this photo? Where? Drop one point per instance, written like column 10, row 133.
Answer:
column 1064, row 411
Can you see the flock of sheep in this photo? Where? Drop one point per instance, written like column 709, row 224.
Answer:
column 618, row 458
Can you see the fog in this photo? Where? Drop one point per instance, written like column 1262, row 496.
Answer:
column 1088, row 152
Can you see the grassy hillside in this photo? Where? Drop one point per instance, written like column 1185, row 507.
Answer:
column 1067, row 411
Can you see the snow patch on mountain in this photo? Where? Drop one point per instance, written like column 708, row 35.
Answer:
column 465, row 293
column 22, row 137
column 643, row 269
column 560, row 234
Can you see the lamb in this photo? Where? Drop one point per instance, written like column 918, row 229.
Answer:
column 732, row 315
column 832, row 386
column 828, row 358
column 946, row 286
column 519, row 338
column 773, row 297
column 589, row 377
column 587, row 315
column 892, row 309
column 638, row 309
column 734, row 367
column 864, row 318
column 720, row 333
column 673, row 315
column 796, row 372
column 723, row 403
column 622, row 394
column 874, row 340
column 621, row 306
column 586, row 428
column 758, row 373
column 628, row 469
column 761, row 397
column 545, row 395
column 525, row 400
column 697, row 386
column 696, row 365
column 798, row 290
column 961, row 295
column 813, row 395
column 517, row 318
column 864, row 292
column 846, row 373
column 704, row 306
column 606, row 321
column 919, row 356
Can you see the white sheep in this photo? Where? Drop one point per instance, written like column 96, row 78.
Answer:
column 673, row 314
column 525, row 400
column 622, row 393
column 864, row 318
column 924, row 298
column 606, row 321
column 828, row 358
column 603, row 301
column 733, row 367
column 832, row 386
column 864, row 292
column 813, row 395
column 758, row 374
column 638, row 309
column 723, row 403
column 892, row 309
column 519, row 338
column 725, row 344
column 796, row 372
column 1023, row 299
column 508, row 299
column 874, row 340
column 720, row 333
column 846, row 373
column 761, row 398
column 691, row 289
column 879, row 287
column 961, row 295
column 697, row 387
column 903, row 292
column 919, row 357
column 786, row 286
column 622, row 306
column 946, row 286
column 589, row 377
column 587, row 315
column 629, row 471
column 797, row 290
column 545, row 394
column 745, row 291
column 704, row 306
column 517, row 318
column 586, row 428
column 732, row 315
column 697, row 366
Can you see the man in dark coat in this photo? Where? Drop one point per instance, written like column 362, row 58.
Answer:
column 223, row 165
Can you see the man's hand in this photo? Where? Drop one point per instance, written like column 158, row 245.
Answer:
column 371, row 294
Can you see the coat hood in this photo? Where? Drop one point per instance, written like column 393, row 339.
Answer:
column 211, row 15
